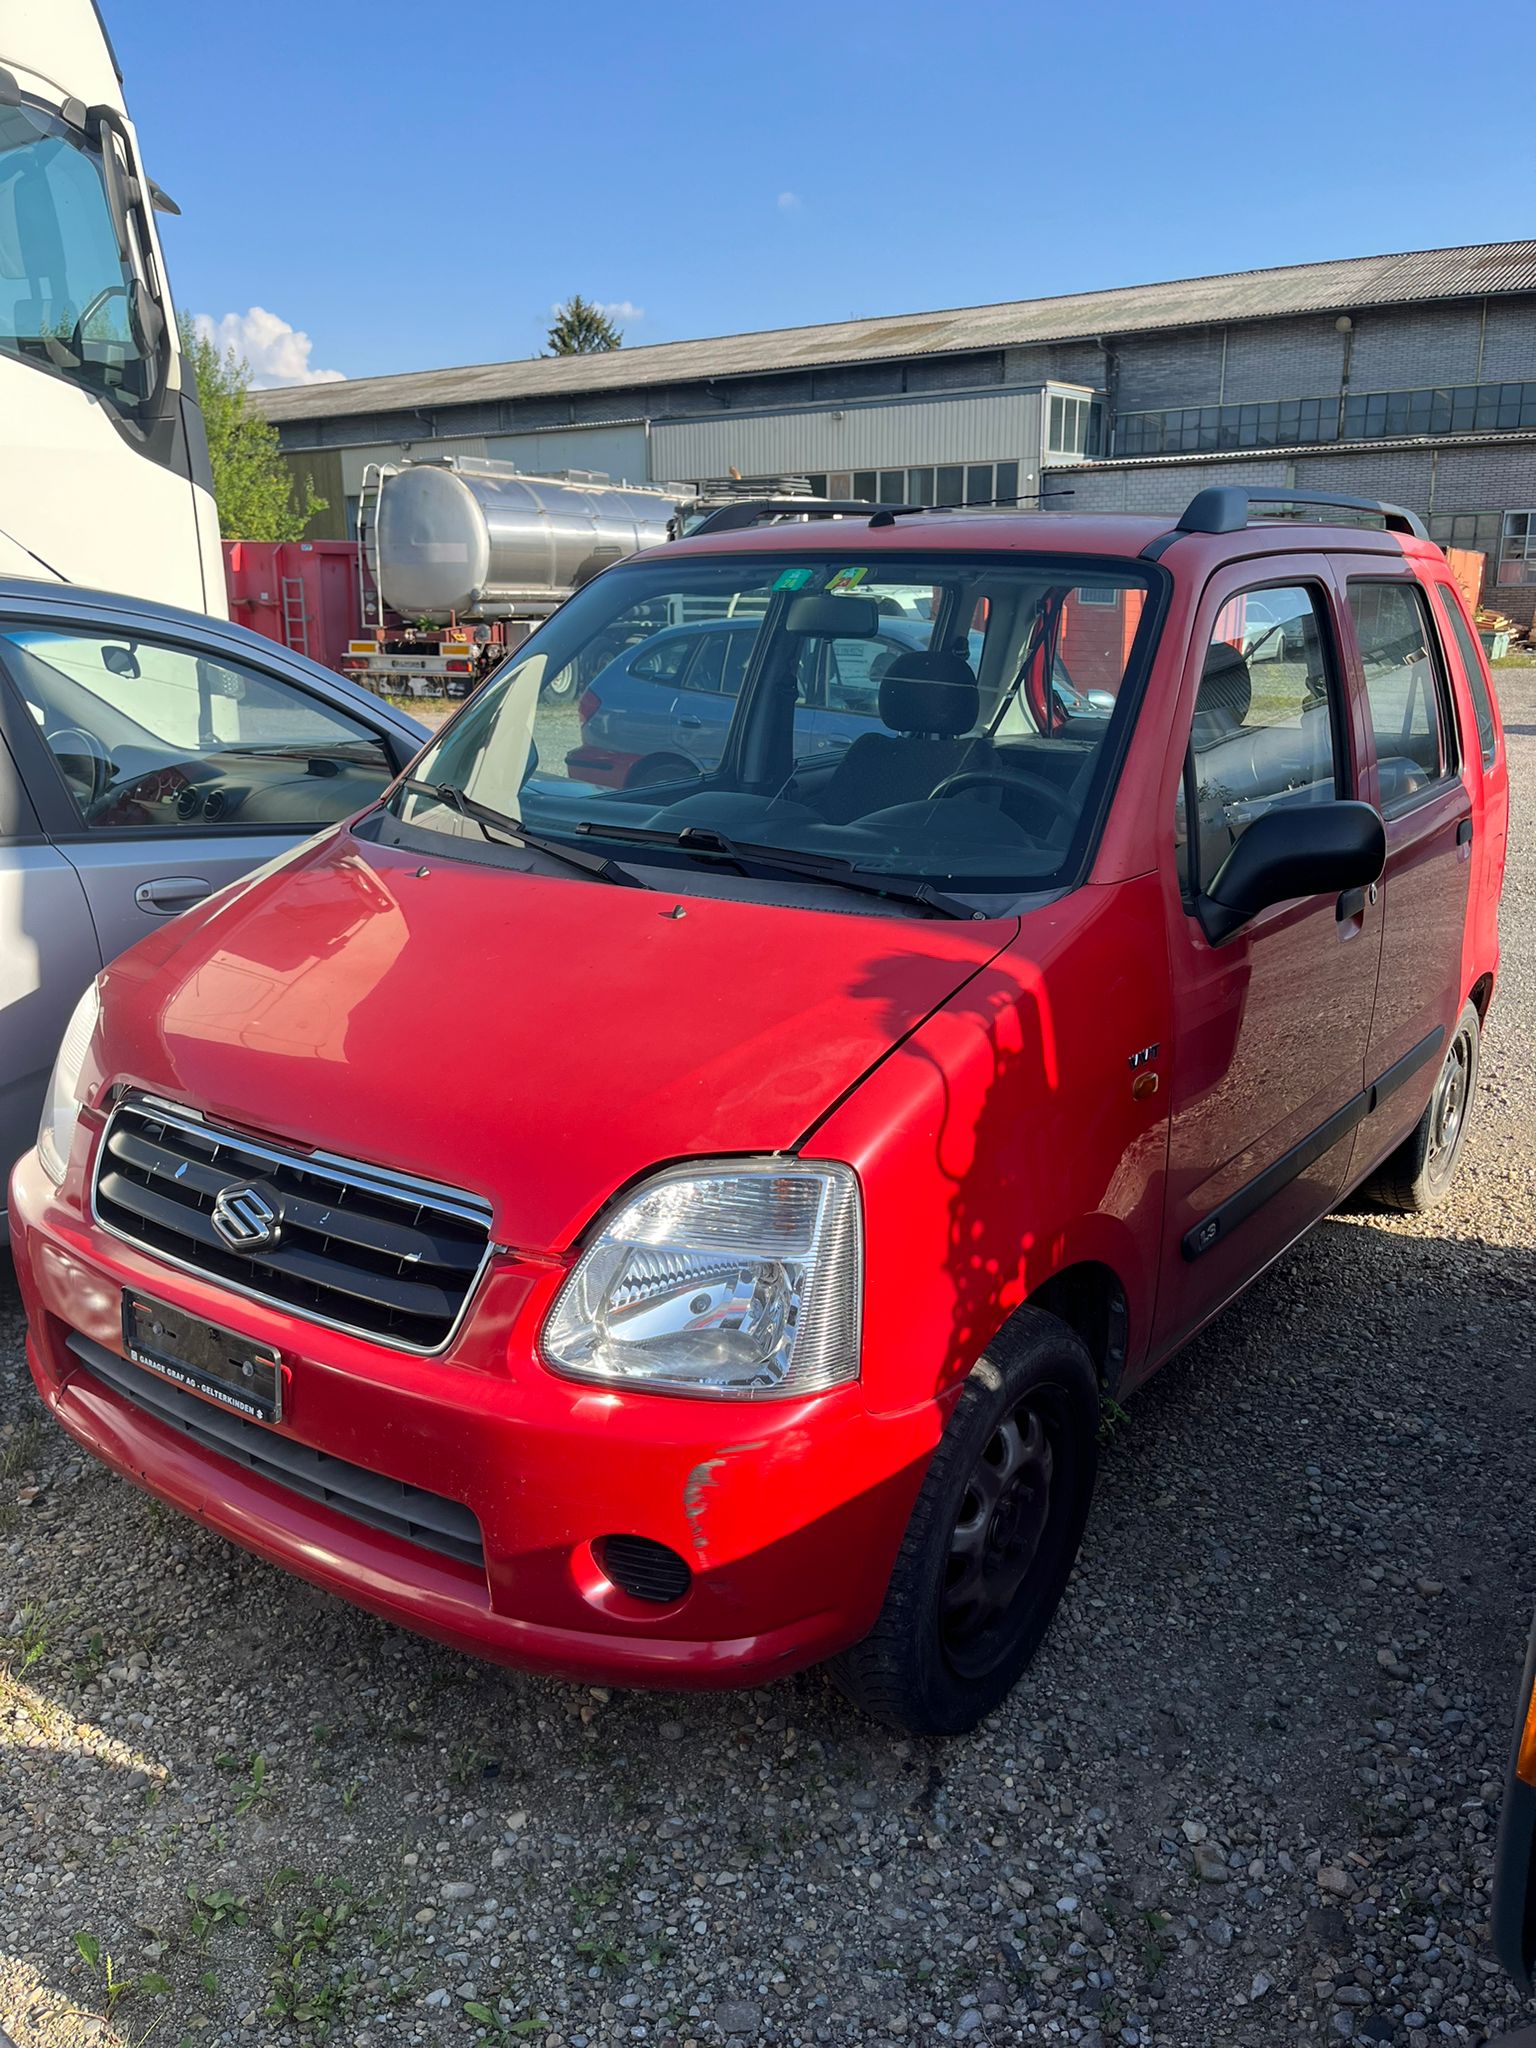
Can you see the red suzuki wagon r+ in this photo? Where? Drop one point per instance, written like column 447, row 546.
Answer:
column 671, row 1225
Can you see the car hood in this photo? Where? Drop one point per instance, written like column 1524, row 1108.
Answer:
column 533, row 1039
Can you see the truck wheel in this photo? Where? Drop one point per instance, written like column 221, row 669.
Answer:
column 992, row 1538
column 1420, row 1172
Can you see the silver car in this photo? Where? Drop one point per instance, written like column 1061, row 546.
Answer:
column 148, row 756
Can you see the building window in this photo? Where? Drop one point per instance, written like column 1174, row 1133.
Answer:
column 1517, row 556
column 950, row 483
column 1479, row 531
column 1097, row 594
column 1072, row 425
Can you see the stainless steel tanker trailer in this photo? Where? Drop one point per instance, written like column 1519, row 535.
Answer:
column 469, row 555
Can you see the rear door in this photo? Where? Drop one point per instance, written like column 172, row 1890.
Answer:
column 1415, row 778
column 1272, row 1023
column 160, row 770
column 707, row 690
column 1486, row 767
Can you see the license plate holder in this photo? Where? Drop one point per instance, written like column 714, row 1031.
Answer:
column 232, row 1371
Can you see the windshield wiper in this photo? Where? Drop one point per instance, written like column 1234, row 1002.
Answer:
column 709, row 844
column 490, row 821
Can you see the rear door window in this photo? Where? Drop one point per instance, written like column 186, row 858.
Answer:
column 1477, row 683
column 1405, row 689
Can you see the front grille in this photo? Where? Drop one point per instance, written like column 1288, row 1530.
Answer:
column 425, row 1519
column 644, row 1569
column 357, row 1247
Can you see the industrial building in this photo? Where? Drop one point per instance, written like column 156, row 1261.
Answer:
column 1408, row 377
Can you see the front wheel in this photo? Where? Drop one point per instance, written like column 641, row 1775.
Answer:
column 992, row 1538
column 1420, row 1172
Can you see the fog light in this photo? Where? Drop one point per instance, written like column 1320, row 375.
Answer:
column 643, row 1569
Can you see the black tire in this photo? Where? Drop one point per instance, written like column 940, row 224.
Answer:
column 952, row 1638
column 657, row 768
column 1420, row 1172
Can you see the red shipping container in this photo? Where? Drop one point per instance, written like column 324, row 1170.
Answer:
column 301, row 593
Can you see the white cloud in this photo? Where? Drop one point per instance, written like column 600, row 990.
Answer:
column 622, row 309
column 789, row 202
column 277, row 352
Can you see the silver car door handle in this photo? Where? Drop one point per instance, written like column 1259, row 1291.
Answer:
column 691, row 724
column 170, row 893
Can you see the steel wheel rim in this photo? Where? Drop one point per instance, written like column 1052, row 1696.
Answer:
column 1448, row 1104
column 999, row 1533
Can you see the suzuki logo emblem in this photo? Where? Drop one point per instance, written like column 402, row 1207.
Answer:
column 245, row 1219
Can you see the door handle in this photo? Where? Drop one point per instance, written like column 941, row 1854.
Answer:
column 167, row 894
column 1353, row 901
column 690, row 724
column 1464, row 832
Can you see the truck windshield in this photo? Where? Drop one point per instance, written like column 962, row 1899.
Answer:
column 64, row 287
column 947, row 719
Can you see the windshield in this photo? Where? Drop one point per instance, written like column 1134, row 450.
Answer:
column 64, row 287
column 946, row 718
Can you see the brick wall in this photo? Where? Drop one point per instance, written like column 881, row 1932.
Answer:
column 1408, row 347
column 1283, row 359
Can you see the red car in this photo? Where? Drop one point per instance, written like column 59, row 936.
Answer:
column 791, row 1158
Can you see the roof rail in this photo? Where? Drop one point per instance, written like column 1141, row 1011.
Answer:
column 753, row 511
column 1226, row 508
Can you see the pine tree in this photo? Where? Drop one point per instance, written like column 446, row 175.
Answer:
column 582, row 329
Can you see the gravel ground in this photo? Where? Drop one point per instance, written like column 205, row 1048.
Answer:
column 1247, row 1795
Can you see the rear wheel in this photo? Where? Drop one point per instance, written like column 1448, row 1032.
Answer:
column 658, row 768
column 992, row 1538
column 1420, row 1172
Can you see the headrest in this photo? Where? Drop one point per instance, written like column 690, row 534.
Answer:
column 929, row 693
column 1226, row 693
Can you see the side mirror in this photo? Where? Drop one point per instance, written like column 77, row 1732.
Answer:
column 120, row 661
column 1294, row 850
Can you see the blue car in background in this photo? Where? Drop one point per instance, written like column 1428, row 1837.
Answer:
column 662, row 709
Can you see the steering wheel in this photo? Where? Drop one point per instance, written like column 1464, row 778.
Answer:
column 1063, row 810
column 92, row 750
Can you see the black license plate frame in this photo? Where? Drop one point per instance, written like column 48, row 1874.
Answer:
column 218, row 1365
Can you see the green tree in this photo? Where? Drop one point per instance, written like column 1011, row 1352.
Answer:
column 582, row 329
column 258, row 495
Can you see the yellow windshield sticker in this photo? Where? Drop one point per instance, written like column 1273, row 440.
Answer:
column 847, row 579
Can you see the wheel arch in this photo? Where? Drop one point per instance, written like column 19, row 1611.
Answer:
column 1089, row 1298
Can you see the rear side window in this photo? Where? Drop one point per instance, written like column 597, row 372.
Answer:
column 1487, row 735
column 1264, row 731
column 664, row 662
column 1404, row 688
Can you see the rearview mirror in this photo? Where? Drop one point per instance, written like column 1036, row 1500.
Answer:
column 833, row 618
column 1294, row 850
column 121, row 661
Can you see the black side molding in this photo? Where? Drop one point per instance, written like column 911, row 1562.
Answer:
column 1236, row 1209
column 1404, row 1069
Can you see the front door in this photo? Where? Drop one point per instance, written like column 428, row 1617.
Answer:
column 161, row 772
column 1428, row 811
column 1272, row 1023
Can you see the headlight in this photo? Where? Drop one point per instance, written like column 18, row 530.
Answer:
column 61, row 1108
column 741, row 1278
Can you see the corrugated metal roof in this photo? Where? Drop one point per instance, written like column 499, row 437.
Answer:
column 1356, row 281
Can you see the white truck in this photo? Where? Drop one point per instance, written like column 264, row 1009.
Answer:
column 104, row 478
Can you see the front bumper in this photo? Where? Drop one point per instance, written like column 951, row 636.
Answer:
column 789, row 1514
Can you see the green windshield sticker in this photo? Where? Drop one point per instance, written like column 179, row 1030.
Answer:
column 846, row 579
column 793, row 579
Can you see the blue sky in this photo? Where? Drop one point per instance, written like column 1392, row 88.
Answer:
column 415, row 185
